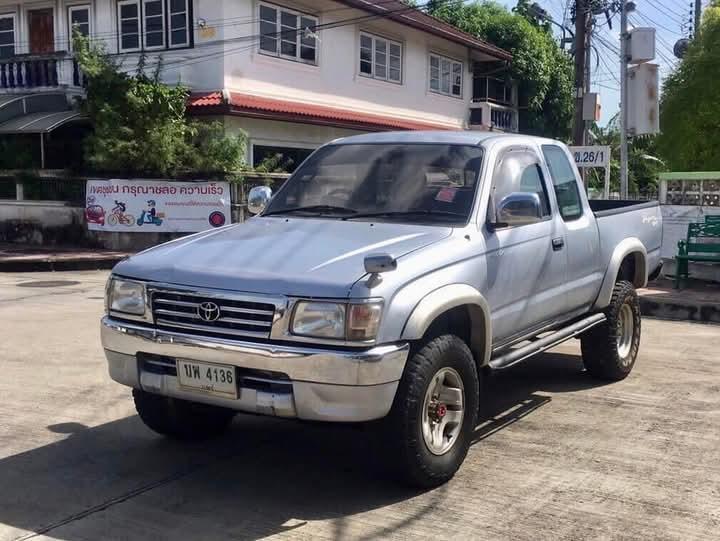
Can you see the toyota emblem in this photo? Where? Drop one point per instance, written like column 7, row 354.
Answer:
column 208, row 311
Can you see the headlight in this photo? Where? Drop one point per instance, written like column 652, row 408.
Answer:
column 320, row 319
column 125, row 296
column 354, row 322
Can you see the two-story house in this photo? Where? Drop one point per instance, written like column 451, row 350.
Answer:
column 293, row 74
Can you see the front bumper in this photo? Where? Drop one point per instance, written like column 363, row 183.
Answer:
column 320, row 384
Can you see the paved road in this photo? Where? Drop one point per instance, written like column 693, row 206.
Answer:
column 559, row 457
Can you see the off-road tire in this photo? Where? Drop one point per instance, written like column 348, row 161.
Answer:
column 180, row 419
column 412, row 460
column 600, row 351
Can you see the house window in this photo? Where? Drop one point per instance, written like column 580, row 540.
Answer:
column 278, row 158
column 380, row 58
column 129, row 22
column 7, row 35
column 288, row 34
column 153, row 24
column 79, row 19
column 179, row 23
column 446, row 76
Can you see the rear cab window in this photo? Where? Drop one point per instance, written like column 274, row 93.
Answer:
column 564, row 182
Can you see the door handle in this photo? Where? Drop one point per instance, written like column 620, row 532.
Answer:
column 558, row 244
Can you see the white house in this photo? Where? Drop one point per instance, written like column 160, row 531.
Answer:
column 293, row 74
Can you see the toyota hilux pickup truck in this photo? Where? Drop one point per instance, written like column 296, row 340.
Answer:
column 382, row 282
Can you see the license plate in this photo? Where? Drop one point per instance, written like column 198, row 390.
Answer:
column 215, row 379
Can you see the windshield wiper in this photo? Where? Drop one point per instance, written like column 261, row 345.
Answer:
column 321, row 209
column 400, row 213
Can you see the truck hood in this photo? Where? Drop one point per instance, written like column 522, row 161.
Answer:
column 279, row 255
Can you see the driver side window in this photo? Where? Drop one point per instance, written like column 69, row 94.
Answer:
column 518, row 171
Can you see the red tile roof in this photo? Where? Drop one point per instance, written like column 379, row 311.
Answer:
column 247, row 105
column 401, row 13
column 291, row 111
column 205, row 99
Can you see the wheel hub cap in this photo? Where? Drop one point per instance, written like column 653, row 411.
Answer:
column 625, row 332
column 443, row 411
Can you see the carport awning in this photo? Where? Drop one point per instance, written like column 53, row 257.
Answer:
column 43, row 122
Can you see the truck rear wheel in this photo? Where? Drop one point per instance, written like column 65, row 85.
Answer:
column 181, row 419
column 434, row 414
column 609, row 350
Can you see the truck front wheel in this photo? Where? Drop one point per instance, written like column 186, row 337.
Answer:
column 610, row 349
column 431, row 423
column 181, row 419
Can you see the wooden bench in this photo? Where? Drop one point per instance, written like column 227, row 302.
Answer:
column 702, row 244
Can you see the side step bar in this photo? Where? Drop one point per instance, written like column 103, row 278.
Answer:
column 517, row 355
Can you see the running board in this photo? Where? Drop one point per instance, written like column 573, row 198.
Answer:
column 517, row 355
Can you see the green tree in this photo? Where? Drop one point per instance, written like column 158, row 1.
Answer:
column 643, row 163
column 690, row 103
column 140, row 125
column 543, row 71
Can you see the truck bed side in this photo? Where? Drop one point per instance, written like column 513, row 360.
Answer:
column 621, row 222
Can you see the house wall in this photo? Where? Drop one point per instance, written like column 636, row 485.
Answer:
column 253, row 72
column 286, row 134
column 226, row 55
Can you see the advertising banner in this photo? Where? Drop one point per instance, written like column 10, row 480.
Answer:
column 156, row 205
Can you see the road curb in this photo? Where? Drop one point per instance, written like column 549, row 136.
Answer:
column 675, row 310
column 58, row 264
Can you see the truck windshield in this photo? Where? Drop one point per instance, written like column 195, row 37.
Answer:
column 395, row 182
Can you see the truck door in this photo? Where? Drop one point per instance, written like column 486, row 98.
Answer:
column 580, row 232
column 525, row 263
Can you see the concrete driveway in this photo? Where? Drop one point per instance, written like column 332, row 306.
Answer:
column 558, row 455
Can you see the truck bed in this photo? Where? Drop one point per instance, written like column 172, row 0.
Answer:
column 608, row 207
column 618, row 220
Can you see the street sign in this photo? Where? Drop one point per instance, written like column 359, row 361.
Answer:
column 595, row 156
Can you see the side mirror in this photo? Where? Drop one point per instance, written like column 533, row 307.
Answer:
column 378, row 263
column 258, row 198
column 518, row 208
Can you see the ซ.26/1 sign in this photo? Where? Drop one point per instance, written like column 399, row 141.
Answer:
column 591, row 156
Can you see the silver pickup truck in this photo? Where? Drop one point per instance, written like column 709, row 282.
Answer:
column 382, row 282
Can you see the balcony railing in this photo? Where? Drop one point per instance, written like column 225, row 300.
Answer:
column 30, row 72
column 485, row 115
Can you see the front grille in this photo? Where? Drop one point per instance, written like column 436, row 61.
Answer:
column 176, row 311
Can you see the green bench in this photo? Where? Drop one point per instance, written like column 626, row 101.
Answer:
column 712, row 219
column 702, row 244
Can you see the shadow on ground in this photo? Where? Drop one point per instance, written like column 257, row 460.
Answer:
column 266, row 476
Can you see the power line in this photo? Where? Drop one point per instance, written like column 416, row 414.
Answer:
column 610, row 70
column 666, row 10
column 608, row 45
column 651, row 21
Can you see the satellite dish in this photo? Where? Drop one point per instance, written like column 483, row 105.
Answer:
column 681, row 47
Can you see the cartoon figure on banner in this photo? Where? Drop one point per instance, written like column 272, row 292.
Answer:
column 118, row 216
column 94, row 214
column 151, row 216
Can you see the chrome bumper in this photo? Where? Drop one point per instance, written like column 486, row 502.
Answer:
column 326, row 385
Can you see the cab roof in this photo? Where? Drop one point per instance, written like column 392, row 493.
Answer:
column 441, row 137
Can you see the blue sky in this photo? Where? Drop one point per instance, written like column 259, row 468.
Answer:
column 666, row 16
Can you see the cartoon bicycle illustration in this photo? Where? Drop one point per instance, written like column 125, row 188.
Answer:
column 150, row 216
column 118, row 215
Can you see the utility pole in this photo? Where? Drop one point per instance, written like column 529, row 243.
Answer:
column 624, row 98
column 698, row 14
column 581, row 16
